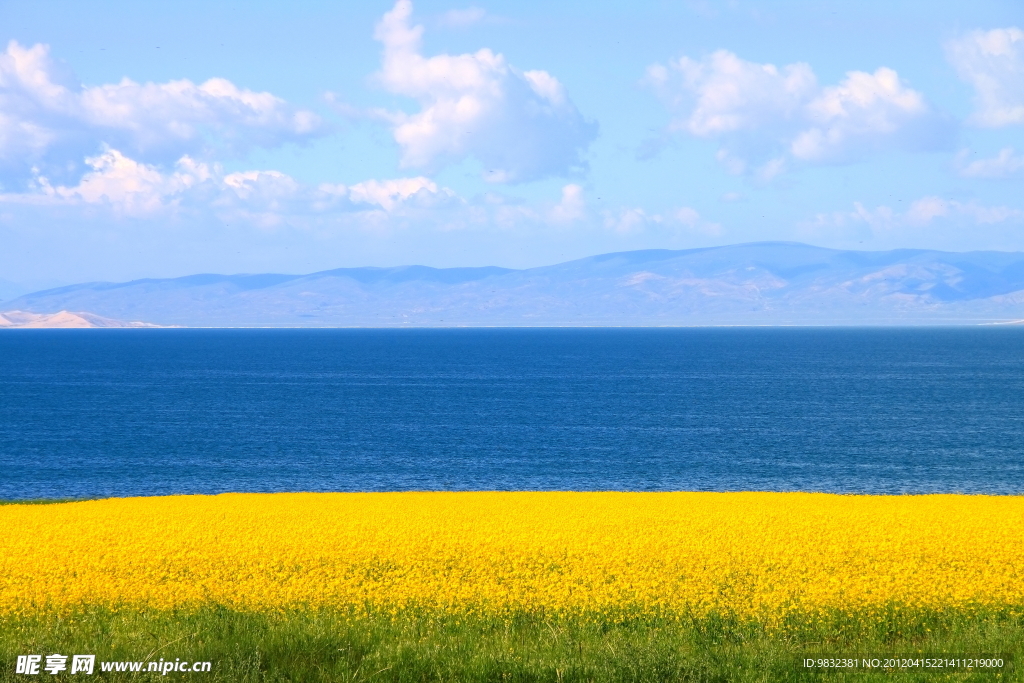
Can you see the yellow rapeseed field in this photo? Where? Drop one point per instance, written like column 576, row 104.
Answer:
column 751, row 555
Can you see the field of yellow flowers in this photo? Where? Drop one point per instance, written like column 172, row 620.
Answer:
column 762, row 556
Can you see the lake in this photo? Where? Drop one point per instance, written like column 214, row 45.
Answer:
column 97, row 413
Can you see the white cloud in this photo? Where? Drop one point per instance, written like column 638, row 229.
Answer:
column 571, row 208
column 863, row 109
column 926, row 209
column 48, row 117
column 729, row 94
column 687, row 216
column 519, row 124
column 1003, row 164
column 250, row 183
column 195, row 193
column 629, row 220
column 635, row 220
column 993, row 63
column 131, row 188
column 881, row 217
column 123, row 184
column 771, row 168
column 388, row 194
column 692, row 220
column 767, row 117
column 263, row 198
column 923, row 212
column 461, row 18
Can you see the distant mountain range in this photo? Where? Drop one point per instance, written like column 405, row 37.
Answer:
column 770, row 283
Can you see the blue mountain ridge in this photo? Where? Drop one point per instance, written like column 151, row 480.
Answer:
column 768, row 283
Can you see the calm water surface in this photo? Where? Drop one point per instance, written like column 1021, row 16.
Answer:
column 141, row 412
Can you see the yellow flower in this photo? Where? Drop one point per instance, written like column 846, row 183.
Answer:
column 752, row 555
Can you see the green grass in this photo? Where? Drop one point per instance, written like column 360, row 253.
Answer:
column 334, row 646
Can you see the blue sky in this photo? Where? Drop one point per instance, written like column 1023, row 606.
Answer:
column 164, row 139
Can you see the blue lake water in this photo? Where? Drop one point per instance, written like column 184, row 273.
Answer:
column 141, row 412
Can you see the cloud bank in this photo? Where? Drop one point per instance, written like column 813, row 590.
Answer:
column 1004, row 164
column 768, row 118
column 924, row 212
column 993, row 63
column 50, row 120
column 520, row 125
column 128, row 187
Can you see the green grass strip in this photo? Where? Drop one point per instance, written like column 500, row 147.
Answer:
column 326, row 645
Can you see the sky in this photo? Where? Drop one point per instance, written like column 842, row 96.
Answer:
column 166, row 139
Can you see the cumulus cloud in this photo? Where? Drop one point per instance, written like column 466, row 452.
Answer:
column 993, row 63
column 201, row 193
column 125, row 185
column 629, row 220
column 925, row 210
column 863, row 109
column 129, row 187
column 725, row 94
column 263, row 184
column 922, row 212
column 1000, row 166
column 571, row 208
column 47, row 117
column 389, row 194
column 520, row 125
column 767, row 117
column 460, row 18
